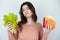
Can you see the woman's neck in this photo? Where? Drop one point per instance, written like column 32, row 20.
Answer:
column 30, row 21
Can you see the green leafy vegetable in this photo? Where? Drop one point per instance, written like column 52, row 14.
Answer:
column 11, row 17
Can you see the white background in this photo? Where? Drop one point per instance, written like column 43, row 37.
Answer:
column 43, row 8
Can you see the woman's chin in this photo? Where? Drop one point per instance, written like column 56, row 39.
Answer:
column 28, row 16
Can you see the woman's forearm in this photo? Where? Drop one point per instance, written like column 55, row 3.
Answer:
column 11, row 36
column 45, row 36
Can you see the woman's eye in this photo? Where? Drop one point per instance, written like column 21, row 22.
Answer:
column 27, row 8
column 23, row 10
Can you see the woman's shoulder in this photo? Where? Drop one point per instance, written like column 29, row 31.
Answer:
column 39, row 25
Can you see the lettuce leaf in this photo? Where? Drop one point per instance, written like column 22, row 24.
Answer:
column 11, row 17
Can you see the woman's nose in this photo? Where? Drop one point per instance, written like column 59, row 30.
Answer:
column 26, row 10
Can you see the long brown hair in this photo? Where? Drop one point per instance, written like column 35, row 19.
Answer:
column 23, row 18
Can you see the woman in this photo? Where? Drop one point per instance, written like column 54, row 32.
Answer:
column 28, row 28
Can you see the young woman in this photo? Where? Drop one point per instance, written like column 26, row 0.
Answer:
column 28, row 28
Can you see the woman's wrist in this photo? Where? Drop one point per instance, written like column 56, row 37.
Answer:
column 46, row 33
column 45, row 36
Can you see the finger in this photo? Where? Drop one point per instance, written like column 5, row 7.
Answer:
column 46, row 27
column 9, row 25
column 50, row 26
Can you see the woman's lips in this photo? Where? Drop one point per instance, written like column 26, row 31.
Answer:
column 26, row 13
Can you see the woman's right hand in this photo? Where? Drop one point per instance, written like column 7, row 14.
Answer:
column 10, row 34
column 9, row 25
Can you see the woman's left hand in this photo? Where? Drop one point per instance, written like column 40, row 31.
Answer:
column 48, row 29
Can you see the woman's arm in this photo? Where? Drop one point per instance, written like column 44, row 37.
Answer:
column 10, row 35
column 17, row 33
column 44, row 36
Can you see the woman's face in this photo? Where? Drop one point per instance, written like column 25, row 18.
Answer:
column 26, row 11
